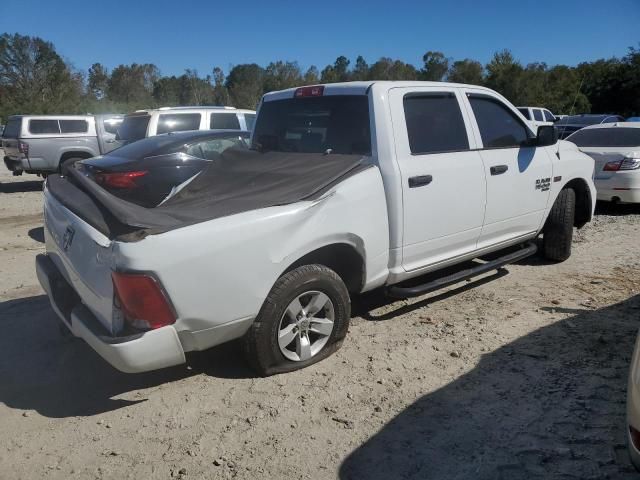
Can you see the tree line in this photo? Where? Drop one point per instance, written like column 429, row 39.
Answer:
column 35, row 79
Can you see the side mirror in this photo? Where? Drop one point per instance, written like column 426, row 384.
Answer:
column 547, row 135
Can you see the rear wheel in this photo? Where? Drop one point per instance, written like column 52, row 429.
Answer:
column 303, row 320
column 558, row 230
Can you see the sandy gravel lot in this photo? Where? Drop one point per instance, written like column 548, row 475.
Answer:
column 520, row 375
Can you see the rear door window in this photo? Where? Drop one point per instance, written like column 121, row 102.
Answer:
column 499, row 126
column 212, row 148
column 44, row 127
column 548, row 116
column 224, row 121
column 12, row 129
column 537, row 115
column 434, row 123
column 74, row 126
column 178, row 122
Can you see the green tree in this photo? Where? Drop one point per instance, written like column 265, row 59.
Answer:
column 389, row 69
column 504, row 74
column 311, row 76
column 466, row 71
column 133, row 84
column 280, row 75
column 245, row 84
column 436, row 66
column 361, row 70
column 98, row 80
column 338, row 72
column 35, row 79
column 220, row 92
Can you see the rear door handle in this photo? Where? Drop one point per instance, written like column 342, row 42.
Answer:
column 420, row 181
column 498, row 169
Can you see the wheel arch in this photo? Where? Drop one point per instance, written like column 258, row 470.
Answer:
column 342, row 257
column 584, row 202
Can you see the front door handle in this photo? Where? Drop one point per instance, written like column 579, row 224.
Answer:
column 498, row 169
column 420, row 181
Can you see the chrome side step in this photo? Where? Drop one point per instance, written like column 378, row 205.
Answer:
column 417, row 290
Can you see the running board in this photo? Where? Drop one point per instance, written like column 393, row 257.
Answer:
column 416, row 291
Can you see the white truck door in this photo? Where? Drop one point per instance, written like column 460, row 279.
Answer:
column 443, row 179
column 518, row 176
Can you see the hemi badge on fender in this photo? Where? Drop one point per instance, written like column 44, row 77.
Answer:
column 557, row 179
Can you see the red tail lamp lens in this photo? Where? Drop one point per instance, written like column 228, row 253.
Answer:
column 119, row 179
column 142, row 300
column 612, row 166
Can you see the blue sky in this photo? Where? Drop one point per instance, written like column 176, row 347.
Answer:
column 179, row 34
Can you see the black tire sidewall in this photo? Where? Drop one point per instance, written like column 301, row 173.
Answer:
column 294, row 283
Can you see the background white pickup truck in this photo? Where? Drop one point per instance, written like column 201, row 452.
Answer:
column 445, row 173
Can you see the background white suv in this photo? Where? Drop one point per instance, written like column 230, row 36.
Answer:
column 537, row 116
column 147, row 123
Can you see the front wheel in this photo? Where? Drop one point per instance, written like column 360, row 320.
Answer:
column 303, row 320
column 558, row 230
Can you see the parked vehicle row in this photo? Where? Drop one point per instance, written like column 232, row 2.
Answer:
column 44, row 144
column 572, row 123
column 346, row 188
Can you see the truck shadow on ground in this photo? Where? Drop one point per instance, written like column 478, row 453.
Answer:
column 60, row 376
column 617, row 209
column 20, row 187
column 548, row 405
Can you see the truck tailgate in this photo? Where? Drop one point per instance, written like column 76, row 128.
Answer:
column 84, row 257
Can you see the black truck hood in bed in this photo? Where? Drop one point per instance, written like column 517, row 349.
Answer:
column 241, row 180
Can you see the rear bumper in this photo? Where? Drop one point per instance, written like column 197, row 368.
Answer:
column 13, row 165
column 141, row 352
column 624, row 186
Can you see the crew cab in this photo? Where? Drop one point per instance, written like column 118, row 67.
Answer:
column 347, row 187
column 537, row 116
column 41, row 144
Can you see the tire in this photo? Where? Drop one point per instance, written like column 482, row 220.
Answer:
column 310, row 283
column 68, row 163
column 558, row 230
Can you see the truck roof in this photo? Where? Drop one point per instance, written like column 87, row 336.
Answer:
column 362, row 88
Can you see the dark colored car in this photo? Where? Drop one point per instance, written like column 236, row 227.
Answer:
column 146, row 172
column 572, row 123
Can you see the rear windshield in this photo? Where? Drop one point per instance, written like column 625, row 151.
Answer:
column 333, row 124
column 133, row 128
column 606, row 137
column 12, row 129
column 581, row 120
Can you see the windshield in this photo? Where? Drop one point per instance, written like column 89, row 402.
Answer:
column 12, row 130
column 133, row 128
column 606, row 137
column 333, row 124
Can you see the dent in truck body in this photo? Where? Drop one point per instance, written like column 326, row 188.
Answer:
column 240, row 257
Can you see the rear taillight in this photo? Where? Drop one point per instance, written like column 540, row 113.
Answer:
column 315, row 91
column 142, row 300
column 612, row 166
column 630, row 163
column 625, row 164
column 119, row 179
column 23, row 148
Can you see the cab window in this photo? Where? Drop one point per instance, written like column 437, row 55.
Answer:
column 499, row 126
column 537, row 115
column 434, row 123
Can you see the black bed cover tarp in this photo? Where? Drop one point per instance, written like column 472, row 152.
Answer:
column 241, row 180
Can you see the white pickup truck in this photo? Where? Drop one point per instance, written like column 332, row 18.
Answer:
column 347, row 188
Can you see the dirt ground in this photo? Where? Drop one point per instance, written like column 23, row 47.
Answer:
column 518, row 375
